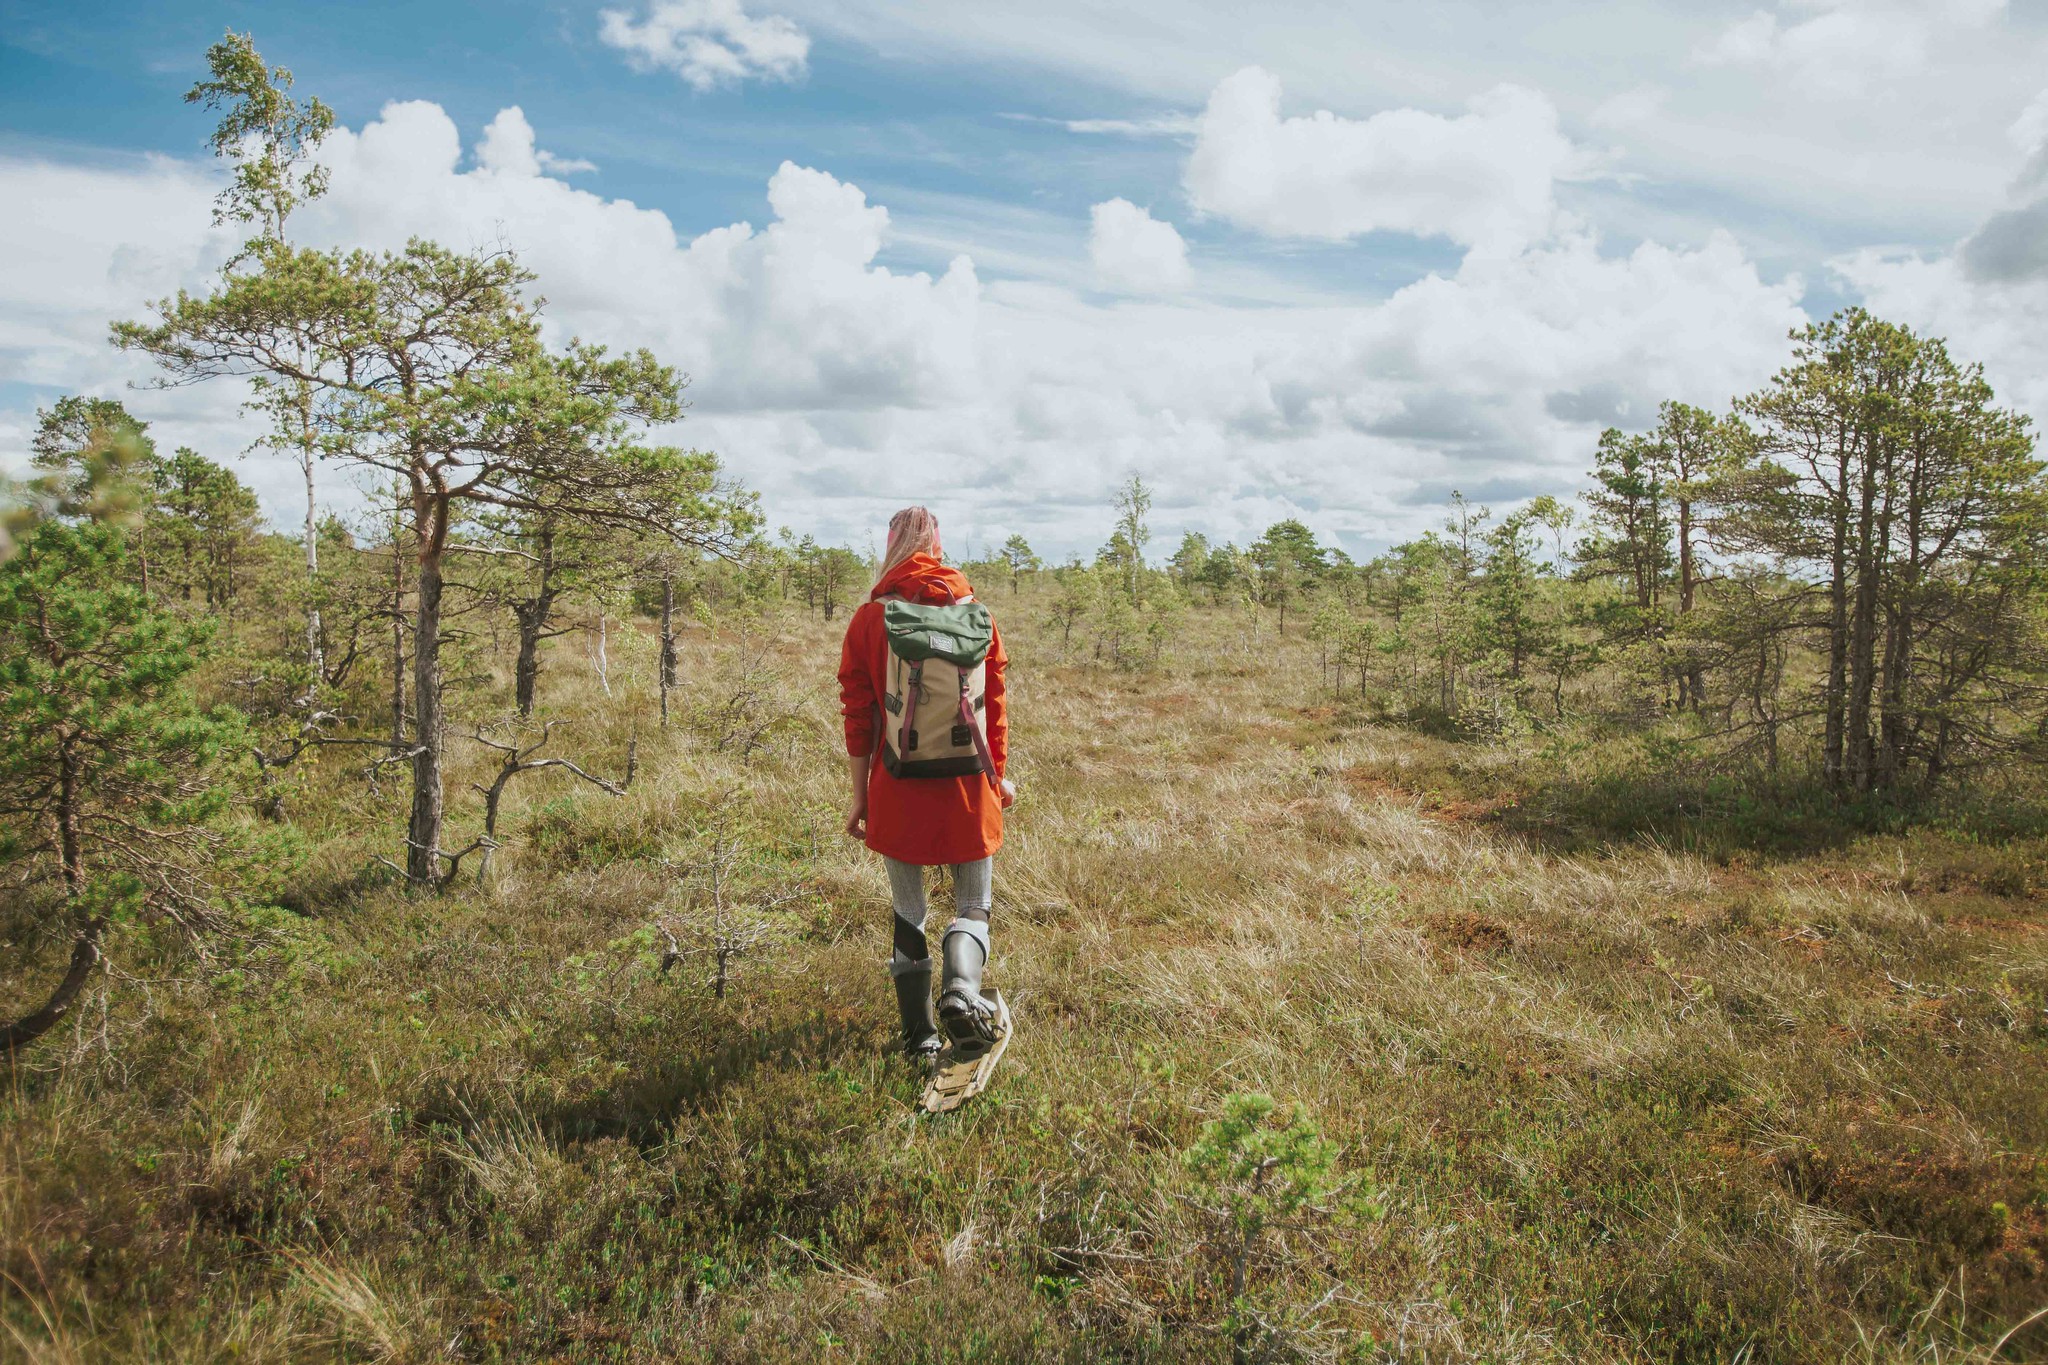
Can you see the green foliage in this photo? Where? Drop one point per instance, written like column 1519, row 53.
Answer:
column 1259, row 1172
column 115, row 786
column 1019, row 558
column 95, row 458
column 426, row 366
column 1257, row 1175
column 1190, row 560
column 69, row 430
column 99, row 733
column 1290, row 565
column 1290, row 542
column 201, row 529
column 1125, row 552
column 269, row 136
column 1512, row 623
column 1630, row 541
column 1073, row 596
column 827, row 575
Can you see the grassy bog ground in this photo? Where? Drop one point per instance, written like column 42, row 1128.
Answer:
column 1592, row 1095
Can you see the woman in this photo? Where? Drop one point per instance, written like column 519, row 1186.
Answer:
column 920, row 822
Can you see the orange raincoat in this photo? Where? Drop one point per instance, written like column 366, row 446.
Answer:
column 922, row 820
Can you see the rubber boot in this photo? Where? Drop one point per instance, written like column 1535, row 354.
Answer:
column 968, row 1019
column 921, row 1041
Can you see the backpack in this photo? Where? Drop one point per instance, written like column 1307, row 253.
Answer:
column 936, row 692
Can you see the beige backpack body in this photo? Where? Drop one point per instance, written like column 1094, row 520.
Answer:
column 937, row 689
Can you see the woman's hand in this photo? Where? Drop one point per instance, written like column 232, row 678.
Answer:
column 1009, row 793
column 857, row 808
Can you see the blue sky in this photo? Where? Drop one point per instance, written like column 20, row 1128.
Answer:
column 1318, row 258
column 75, row 81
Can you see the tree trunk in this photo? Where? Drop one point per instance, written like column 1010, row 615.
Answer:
column 668, row 641
column 1692, row 679
column 1760, row 689
column 526, row 670
column 1863, row 622
column 70, row 841
column 316, row 656
column 533, row 619
column 1832, row 766
column 397, row 641
column 533, row 615
column 423, row 830
column 85, row 955
column 1937, row 756
column 1889, row 766
column 1894, row 728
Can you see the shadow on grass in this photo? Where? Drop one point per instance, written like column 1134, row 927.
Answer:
column 1598, row 788
column 1720, row 818
column 642, row 1106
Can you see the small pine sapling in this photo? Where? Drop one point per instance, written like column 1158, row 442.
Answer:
column 726, row 906
column 1258, row 1178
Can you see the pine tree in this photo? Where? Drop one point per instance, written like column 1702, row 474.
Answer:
column 1290, row 565
column 202, row 525
column 1628, row 545
column 1510, row 617
column 432, row 372
column 1888, row 480
column 1190, row 560
column 96, row 460
column 110, row 774
column 1018, row 556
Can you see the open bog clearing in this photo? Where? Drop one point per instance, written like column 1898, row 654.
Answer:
column 951, row 685
column 1582, row 1092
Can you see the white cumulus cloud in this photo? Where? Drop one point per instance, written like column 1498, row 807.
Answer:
column 1135, row 253
column 2029, row 132
column 839, row 387
column 1483, row 179
column 708, row 43
column 507, row 147
column 1850, row 46
column 793, row 314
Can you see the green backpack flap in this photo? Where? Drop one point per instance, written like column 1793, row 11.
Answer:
column 958, row 633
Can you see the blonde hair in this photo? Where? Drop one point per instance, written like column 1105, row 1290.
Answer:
column 912, row 531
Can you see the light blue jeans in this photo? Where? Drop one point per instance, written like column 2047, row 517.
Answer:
column 973, row 895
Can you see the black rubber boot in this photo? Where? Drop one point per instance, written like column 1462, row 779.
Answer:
column 921, row 1041
column 967, row 1018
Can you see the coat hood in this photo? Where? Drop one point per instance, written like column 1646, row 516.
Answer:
column 921, row 578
